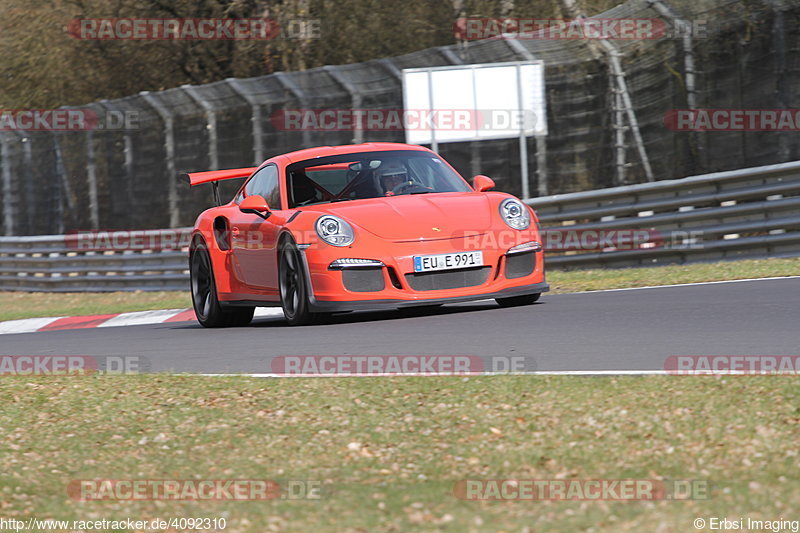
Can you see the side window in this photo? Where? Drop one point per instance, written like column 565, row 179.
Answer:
column 265, row 183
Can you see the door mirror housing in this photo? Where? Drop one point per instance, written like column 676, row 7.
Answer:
column 482, row 183
column 256, row 205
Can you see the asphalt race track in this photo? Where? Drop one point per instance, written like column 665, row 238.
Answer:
column 599, row 331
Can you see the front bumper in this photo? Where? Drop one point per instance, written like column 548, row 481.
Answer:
column 330, row 306
column 397, row 286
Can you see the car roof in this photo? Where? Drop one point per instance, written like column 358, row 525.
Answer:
column 325, row 151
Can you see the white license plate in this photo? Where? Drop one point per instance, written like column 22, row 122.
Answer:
column 427, row 263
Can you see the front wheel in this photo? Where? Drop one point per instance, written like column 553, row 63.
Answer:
column 293, row 286
column 515, row 301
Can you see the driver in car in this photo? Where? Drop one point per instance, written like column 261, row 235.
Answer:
column 391, row 176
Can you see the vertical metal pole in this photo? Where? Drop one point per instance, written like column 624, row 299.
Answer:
column 541, row 141
column 523, row 141
column 697, row 148
column 91, row 179
column 8, row 197
column 781, row 85
column 169, row 144
column 289, row 84
column 127, row 152
column 541, row 165
column 355, row 99
column 211, row 124
column 24, row 175
column 255, row 119
column 622, row 86
column 434, row 142
column 618, row 119
column 60, row 183
column 474, row 146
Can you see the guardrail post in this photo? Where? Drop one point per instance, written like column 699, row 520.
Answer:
column 62, row 179
column 25, row 178
column 211, row 124
column 91, row 178
column 622, row 86
column 684, row 28
column 355, row 100
column 781, row 84
column 618, row 121
column 169, row 145
column 541, row 140
column 9, row 214
column 127, row 151
column 255, row 119
column 474, row 147
column 288, row 83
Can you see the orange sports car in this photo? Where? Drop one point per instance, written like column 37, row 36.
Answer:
column 367, row 226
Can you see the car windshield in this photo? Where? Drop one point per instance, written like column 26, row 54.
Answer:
column 370, row 175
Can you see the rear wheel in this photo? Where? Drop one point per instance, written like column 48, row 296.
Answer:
column 515, row 301
column 207, row 308
column 293, row 286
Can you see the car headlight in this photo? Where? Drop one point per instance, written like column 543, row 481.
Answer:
column 335, row 231
column 515, row 213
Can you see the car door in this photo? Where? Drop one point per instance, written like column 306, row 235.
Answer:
column 253, row 239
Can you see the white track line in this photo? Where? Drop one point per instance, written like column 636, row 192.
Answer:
column 532, row 373
column 466, row 374
column 684, row 285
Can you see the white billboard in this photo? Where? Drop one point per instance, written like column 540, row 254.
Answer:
column 474, row 102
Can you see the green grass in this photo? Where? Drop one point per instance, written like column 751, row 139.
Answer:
column 618, row 278
column 14, row 305
column 388, row 451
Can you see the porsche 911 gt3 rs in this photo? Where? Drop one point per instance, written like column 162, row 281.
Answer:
column 368, row 226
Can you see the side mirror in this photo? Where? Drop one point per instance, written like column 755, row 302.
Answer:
column 482, row 183
column 256, row 205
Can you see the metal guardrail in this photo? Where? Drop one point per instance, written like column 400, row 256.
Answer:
column 748, row 213
column 75, row 262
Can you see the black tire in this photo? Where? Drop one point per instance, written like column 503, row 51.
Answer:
column 293, row 286
column 515, row 301
column 206, row 305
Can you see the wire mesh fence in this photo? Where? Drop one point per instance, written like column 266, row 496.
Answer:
column 123, row 176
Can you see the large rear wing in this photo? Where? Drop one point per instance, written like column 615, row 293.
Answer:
column 215, row 176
